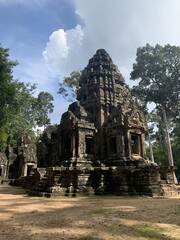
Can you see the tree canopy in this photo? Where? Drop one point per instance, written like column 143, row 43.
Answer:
column 158, row 71
column 69, row 86
column 20, row 110
column 43, row 106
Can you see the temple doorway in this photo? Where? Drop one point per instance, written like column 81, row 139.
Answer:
column 89, row 145
column 113, row 145
column 136, row 146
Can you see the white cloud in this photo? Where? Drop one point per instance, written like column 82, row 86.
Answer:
column 62, row 50
column 119, row 27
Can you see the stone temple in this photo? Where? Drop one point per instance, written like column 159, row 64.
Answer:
column 99, row 145
column 104, row 126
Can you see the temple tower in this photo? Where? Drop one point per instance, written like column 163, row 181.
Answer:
column 105, row 96
column 100, row 86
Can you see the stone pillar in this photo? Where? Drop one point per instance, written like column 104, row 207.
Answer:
column 81, row 146
column 143, row 150
column 73, row 146
column 24, row 170
column 4, row 171
column 128, row 144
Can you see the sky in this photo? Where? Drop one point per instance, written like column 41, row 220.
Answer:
column 51, row 38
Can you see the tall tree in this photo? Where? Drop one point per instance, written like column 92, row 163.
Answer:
column 20, row 110
column 69, row 86
column 7, row 85
column 8, row 102
column 158, row 71
column 43, row 106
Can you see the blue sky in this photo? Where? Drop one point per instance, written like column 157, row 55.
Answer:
column 51, row 38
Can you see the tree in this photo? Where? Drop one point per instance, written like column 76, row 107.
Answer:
column 43, row 106
column 8, row 104
column 7, row 88
column 20, row 110
column 69, row 86
column 158, row 71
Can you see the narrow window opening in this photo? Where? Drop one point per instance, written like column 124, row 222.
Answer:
column 89, row 145
column 135, row 144
column 67, row 147
column 113, row 145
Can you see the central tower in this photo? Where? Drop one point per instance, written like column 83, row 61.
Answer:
column 107, row 124
column 100, row 87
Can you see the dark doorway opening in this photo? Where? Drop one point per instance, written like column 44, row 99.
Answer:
column 29, row 169
column 113, row 145
column 89, row 145
column 0, row 172
column 67, row 147
column 136, row 144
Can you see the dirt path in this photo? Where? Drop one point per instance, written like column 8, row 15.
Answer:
column 113, row 218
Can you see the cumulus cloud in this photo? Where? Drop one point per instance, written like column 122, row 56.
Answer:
column 62, row 50
column 119, row 27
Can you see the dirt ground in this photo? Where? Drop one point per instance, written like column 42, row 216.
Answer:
column 87, row 218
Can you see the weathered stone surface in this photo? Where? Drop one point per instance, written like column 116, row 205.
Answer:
column 105, row 124
column 98, row 147
column 3, row 165
column 23, row 159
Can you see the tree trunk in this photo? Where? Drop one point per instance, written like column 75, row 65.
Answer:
column 168, row 141
column 150, row 148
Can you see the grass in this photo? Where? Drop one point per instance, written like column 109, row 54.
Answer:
column 176, row 210
column 151, row 232
column 101, row 211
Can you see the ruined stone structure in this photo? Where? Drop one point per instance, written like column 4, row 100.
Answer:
column 99, row 145
column 3, row 165
column 23, row 159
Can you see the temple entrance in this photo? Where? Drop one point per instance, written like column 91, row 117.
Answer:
column 0, row 172
column 11, row 172
column 67, row 147
column 113, row 145
column 89, row 145
column 29, row 169
column 136, row 144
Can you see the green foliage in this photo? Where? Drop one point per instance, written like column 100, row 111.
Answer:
column 69, row 86
column 158, row 71
column 160, row 154
column 7, row 88
column 20, row 110
column 43, row 106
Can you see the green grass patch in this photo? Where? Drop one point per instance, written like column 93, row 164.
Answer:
column 151, row 232
column 176, row 210
column 101, row 211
